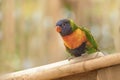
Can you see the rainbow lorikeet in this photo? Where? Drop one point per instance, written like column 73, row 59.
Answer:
column 77, row 40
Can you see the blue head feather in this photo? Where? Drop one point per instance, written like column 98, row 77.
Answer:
column 65, row 26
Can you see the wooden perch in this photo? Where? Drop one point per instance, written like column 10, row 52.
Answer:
column 63, row 68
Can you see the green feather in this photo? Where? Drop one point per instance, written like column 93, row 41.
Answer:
column 89, row 49
column 73, row 25
column 90, row 38
column 68, row 50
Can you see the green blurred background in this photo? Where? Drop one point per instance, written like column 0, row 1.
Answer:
column 27, row 29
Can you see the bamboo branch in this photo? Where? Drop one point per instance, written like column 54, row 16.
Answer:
column 63, row 68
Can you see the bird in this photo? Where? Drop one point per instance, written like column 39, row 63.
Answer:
column 77, row 40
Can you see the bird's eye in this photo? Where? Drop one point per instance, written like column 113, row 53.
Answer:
column 63, row 24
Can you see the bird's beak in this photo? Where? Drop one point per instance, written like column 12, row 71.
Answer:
column 58, row 29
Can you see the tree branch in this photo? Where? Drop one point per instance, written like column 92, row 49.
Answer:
column 63, row 68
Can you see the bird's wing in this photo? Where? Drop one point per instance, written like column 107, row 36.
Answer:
column 90, row 38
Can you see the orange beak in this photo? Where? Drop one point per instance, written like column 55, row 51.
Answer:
column 58, row 29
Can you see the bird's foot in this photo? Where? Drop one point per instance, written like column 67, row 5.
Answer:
column 85, row 55
column 92, row 56
column 70, row 58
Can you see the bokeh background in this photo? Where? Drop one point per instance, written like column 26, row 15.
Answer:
column 27, row 29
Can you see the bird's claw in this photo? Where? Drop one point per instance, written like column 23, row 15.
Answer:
column 70, row 58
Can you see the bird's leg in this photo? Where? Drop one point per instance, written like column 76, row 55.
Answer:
column 71, row 57
column 92, row 56
column 84, row 55
column 97, row 54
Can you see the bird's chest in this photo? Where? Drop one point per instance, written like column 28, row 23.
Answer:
column 75, row 39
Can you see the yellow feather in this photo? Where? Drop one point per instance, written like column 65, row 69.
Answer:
column 75, row 39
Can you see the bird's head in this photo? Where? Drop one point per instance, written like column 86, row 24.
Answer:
column 65, row 27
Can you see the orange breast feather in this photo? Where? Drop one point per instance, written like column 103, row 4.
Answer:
column 75, row 39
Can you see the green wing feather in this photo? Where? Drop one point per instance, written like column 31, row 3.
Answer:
column 94, row 47
column 90, row 49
